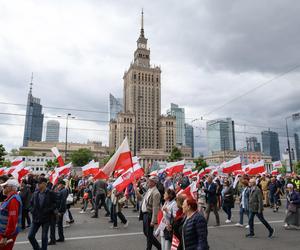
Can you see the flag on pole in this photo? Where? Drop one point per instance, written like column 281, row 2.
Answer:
column 257, row 168
column 120, row 160
column 16, row 161
column 60, row 171
column 190, row 190
column 277, row 164
column 58, row 156
column 174, row 167
column 3, row 170
column 92, row 168
column 232, row 165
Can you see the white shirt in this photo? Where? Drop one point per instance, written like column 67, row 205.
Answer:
column 146, row 197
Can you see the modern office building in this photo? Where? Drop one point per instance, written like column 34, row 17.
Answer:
column 52, row 131
column 189, row 137
column 115, row 107
column 179, row 113
column 252, row 144
column 220, row 135
column 296, row 135
column 270, row 144
column 34, row 119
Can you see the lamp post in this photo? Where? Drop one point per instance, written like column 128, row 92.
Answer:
column 294, row 116
column 66, row 139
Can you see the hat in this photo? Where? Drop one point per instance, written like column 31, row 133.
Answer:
column 290, row 185
column 11, row 182
column 153, row 178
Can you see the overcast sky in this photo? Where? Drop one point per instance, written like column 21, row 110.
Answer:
column 210, row 52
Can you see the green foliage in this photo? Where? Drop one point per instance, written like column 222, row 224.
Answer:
column 200, row 164
column 51, row 164
column 81, row 157
column 176, row 155
column 14, row 152
column 2, row 154
column 6, row 164
column 297, row 168
column 106, row 159
column 26, row 153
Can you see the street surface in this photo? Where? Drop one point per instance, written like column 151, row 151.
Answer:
column 89, row 234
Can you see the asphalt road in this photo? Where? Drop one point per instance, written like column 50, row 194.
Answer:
column 88, row 233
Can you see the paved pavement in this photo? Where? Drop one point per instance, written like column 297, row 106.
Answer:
column 90, row 234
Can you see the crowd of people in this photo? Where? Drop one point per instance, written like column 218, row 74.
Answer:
column 174, row 209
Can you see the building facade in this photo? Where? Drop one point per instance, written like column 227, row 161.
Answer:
column 252, row 144
column 52, row 131
column 270, row 144
column 33, row 129
column 220, row 135
column 189, row 137
column 141, row 119
column 296, row 135
column 179, row 113
column 115, row 106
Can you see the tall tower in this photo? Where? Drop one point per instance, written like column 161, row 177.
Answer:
column 52, row 131
column 142, row 92
column 34, row 118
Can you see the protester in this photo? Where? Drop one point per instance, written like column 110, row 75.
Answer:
column 264, row 182
column 274, row 194
column 210, row 190
column 99, row 195
column 292, row 219
column 178, row 221
column 149, row 211
column 227, row 200
column 62, row 209
column 117, row 209
column 10, row 214
column 43, row 204
column 169, row 213
column 25, row 195
column 256, row 208
column 194, row 230
column 244, row 203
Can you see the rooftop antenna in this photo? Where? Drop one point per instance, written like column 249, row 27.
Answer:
column 31, row 83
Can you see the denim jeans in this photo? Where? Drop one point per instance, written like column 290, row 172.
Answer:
column 32, row 232
column 260, row 216
column 227, row 210
column 117, row 214
column 242, row 212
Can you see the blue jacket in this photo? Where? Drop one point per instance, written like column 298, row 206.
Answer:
column 62, row 203
column 211, row 193
column 194, row 233
column 295, row 197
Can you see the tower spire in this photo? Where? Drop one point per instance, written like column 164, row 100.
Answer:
column 142, row 23
column 31, row 83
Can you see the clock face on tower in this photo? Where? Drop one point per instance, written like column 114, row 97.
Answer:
column 142, row 45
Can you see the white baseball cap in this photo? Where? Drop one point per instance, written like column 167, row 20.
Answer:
column 11, row 182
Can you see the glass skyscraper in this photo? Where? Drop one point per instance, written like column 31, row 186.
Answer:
column 52, row 131
column 34, row 119
column 252, row 144
column 296, row 135
column 270, row 144
column 189, row 137
column 220, row 135
column 115, row 106
column 180, row 121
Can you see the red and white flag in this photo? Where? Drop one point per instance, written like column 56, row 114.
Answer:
column 3, row 170
column 16, row 161
column 120, row 160
column 205, row 171
column 174, row 167
column 190, row 191
column 232, row 165
column 58, row 156
column 247, row 167
column 20, row 171
column 117, row 173
column 128, row 177
column 59, row 172
column 275, row 172
column 92, row 168
column 277, row 164
column 257, row 168
column 193, row 174
column 187, row 171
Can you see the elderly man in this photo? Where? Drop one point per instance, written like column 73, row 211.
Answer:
column 10, row 214
column 149, row 211
column 256, row 208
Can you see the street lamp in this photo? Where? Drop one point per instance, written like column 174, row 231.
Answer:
column 295, row 116
column 66, row 139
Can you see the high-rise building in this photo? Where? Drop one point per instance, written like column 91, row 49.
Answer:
column 189, row 137
column 180, row 121
column 34, row 119
column 52, row 131
column 220, row 135
column 252, row 144
column 296, row 135
column 270, row 144
column 141, row 118
column 115, row 106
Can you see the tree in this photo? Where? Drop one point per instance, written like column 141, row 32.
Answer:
column 2, row 154
column 297, row 168
column 107, row 158
column 81, row 157
column 26, row 153
column 51, row 164
column 14, row 152
column 200, row 164
column 175, row 155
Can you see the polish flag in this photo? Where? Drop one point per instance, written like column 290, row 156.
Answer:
column 275, row 172
column 92, row 168
column 257, row 168
column 58, row 156
column 205, row 171
column 189, row 191
column 20, row 171
column 277, row 164
column 117, row 173
column 23, row 172
column 60, row 171
column 120, row 160
column 232, row 165
column 193, row 174
column 187, row 172
column 3, row 171
column 174, row 167
column 247, row 167
column 239, row 172
column 128, row 177
column 16, row 161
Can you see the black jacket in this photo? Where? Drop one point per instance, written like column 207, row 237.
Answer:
column 62, row 202
column 211, row 193
column 42, row 214
column 195, row 233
